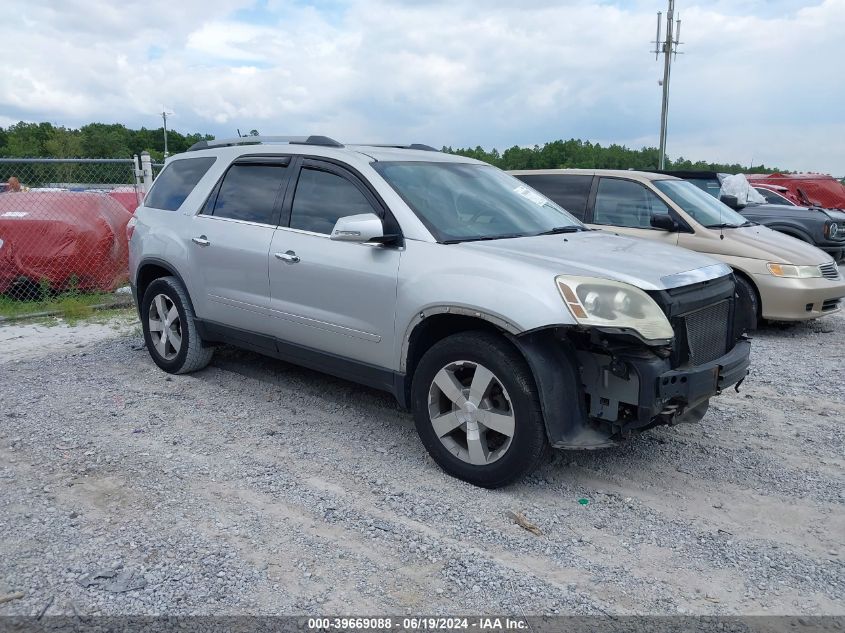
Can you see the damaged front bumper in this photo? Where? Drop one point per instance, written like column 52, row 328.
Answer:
column 670, row 392
column 606, row 397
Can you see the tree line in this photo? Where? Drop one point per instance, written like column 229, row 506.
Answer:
column 114, row 140
column 95, row 140
column 576, row 153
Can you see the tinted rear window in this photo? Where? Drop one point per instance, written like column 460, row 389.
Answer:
column 176, row 182
column 249, row 193
column 570, row 192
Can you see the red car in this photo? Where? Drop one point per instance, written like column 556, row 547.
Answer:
column 63, row 239
column 805, row 190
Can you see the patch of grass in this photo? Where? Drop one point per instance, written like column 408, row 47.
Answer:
column 69, row 305
column 116, row 318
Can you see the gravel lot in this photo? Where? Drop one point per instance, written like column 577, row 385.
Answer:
column 258, row 487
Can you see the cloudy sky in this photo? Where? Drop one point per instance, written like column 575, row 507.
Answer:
column 760, row 81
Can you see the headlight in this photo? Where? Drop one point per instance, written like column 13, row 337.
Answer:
column 606, row 303
column 794, row 272
column 831, row 230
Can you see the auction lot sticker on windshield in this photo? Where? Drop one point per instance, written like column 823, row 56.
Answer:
column 532, row 195
column 15, row 214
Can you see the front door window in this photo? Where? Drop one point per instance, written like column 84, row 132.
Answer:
column 626, row 203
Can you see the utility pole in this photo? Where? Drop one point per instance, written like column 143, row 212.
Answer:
column 669, row 48
column 164, row 114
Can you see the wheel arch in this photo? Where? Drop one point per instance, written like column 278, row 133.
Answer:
column 550, row 360
column 435, row 324
column 150, row 269
column 750, row 281
column 792, row 231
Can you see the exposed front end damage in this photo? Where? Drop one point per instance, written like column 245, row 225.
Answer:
column 626, row 384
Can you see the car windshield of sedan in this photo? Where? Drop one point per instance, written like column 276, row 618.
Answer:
column 704, row 208
column 461, row 202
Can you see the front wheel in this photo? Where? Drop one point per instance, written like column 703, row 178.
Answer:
column 749, row 301
column 477, row 409
column 170, row 332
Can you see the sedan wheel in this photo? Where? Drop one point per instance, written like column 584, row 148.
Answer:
column 471, row 412
column 165, row 327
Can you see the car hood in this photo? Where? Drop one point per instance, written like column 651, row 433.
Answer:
column 760, row 242
column 782, row 210
column 641, row 263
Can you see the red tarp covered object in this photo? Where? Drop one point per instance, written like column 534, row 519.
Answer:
column 806, row 189
column 127, row 197
column 68, row 239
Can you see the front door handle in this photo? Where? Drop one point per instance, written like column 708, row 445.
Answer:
column 288, row 257
column 202, row 240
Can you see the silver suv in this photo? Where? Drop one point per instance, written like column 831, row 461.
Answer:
column 498, row 318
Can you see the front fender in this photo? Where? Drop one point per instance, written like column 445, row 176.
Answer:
column 435, row 279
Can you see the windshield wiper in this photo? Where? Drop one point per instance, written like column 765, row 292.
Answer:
column 482, row 238
column 724, row 226
column 572, row 228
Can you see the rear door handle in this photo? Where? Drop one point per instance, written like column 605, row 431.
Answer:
column 288, row 257
column 202, row 240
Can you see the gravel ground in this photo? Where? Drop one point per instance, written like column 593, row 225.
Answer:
column 258, row 487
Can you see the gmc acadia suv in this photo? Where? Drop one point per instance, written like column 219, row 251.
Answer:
column 504, row 323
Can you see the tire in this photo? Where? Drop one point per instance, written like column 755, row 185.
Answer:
column 750, row 300
column 466, row 445
column 182, row 351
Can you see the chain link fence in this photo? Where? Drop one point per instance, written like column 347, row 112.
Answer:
column 63, row 230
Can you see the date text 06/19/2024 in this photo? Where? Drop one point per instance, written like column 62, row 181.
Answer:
column 417, row 624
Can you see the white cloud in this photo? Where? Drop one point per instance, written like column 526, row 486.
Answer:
column 760, row 84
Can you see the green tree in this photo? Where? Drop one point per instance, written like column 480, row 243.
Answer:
column 103, row 140
column 26, row 140
column 64, row 143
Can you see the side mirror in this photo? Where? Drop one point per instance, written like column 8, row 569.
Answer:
column 664, row 221
column 364, row 227
column 731, row 201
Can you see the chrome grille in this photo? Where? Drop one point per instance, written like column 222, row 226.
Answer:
column 829, row 270
column 707, row 332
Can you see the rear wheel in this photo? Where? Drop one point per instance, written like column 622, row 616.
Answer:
column 170, row 332
column 477, row 410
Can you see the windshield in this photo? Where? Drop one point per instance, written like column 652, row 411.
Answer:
column 462, row 202
column 709, row 185
column 704, row 208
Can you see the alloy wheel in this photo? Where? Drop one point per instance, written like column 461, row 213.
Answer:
column 471, row 412
column 165, row 327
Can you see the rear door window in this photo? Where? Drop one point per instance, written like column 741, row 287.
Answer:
column 569, row 192
column 626, row 203
column 176, row 182
column 250, row 193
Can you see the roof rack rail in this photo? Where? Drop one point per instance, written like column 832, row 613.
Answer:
column 419, row 146
column 323, row 141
